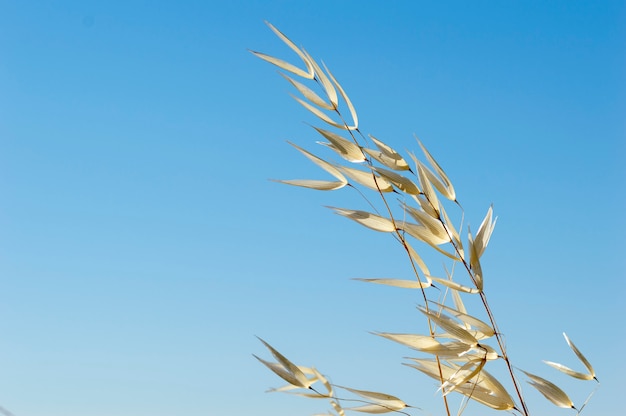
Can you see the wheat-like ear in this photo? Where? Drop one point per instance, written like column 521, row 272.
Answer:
column 285, row 369
column 308, row 74
column 367, row 219
column 456, row 341
column 368, row 179
column 591, row 375
column 402, row 283
column 383, row 403
column 345, row 148
column 580, row 356
column 308, row 93
column 550, row 391
column 317, row 184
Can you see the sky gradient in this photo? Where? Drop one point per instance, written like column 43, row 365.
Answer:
column 143, row 246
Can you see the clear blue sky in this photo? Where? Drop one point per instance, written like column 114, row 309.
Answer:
column 142, row 246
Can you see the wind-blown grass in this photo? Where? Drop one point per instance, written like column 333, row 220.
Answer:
column 459, row 346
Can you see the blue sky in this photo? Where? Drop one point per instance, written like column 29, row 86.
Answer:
column 143, row 246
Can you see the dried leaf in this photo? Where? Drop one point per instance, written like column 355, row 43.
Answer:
column 417, row 259
column 550, row 391
column 462, row 375
column 484, row 397
column 569, row 371
column 431, row 368
column 346, row 148
column 454, row 285
column 368, row 179
column 313, row 184
column 484, row 233
column 355, row 119
column 371, row 408
column 403, row 183
column 425, row 205
column 321, row 115
column 319, row 376
column 426, row 344
column 451, row 230
column 390, row 157
column 337, row 408
column 427, row 188
column 485, row 389
column 450, row 326
column 369, row 220
column 482, row 329
column 308, row 93
column 285, row 369
column 580, row 356
column 475, row 263
column 415, row 341
column 308, row 74
column 422, row 233
column 322, row 163
column 433, row 224
column 456, row 298
column 449, row 189
column 282, row 64
column 324, row 80
column 403, row 283
column 391, row 403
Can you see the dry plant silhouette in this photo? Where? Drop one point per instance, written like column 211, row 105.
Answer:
column 458, row 346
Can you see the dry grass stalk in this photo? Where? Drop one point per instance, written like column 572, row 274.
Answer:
column 456, row 348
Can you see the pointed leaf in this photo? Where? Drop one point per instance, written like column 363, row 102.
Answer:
column 491, row 400
column 425, row 205
column 449, row 192
column 569, row 371
column 456, row 238
column 323, row 79
column 416, row 259
column 484, row 233
column 426, row 344
column 433, row 224
column 390, row 157
column 462, row 375
column 325, row 118
column 431, row 368
column 281, row 372
column 580, row 356
column 355, row 119
column 282, row 64
column 388, row 401
column 322, row 163
column 367, row 179
column 402, row 283
column 415, row 341
column 454, row 285
column 308, row 93
column 295, row 375
column 450, row 326
column 369, row 220
column 550, row 391
column 456, row 298
column 403, row 183
column 313, row 184
column 371, row 408
column 475, row 263
column 346, row 149
column 484, row 329
column 427, row 188
column 309, row 73
column 422, row 233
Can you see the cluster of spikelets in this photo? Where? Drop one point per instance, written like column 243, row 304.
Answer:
column 456, row 345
